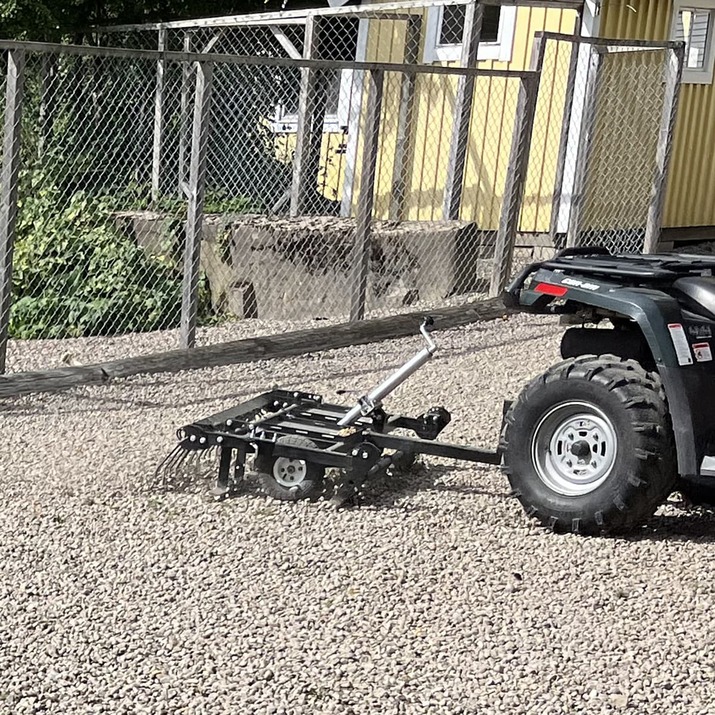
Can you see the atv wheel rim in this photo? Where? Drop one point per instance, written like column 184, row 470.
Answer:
column 574, row 448
column 289, row 472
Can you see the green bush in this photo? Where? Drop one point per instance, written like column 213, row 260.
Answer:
column 75, row 274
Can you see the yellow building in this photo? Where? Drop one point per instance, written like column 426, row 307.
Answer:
column 422, row 145
column 507, row 40
column 506, row 43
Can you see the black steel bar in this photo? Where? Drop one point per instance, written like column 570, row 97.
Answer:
column 247, row 410
column 300, row 427
column 224, row 468
column 434, row 448
column 153, row 55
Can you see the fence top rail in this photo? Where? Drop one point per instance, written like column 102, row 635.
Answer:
column 188, row 57
column 289, row 17
column 608, row 42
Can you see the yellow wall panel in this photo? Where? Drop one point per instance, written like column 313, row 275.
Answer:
column 491, row 129
column 548, row 122
column 692, row 176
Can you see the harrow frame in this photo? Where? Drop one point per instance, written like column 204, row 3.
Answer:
column 363, row 448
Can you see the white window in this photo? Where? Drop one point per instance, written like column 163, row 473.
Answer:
column 337, row 41
column 445, row 30
column 693, row 24
column 337, row 109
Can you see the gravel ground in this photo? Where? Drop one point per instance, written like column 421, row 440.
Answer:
column 434, row 595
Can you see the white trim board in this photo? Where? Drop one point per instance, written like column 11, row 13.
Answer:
column 590, row 27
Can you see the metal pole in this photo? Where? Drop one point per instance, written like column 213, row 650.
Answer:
column 673, row 75
column 184, row 121
column 401, row 171
column 583, row 153
column 515, row 183
column 195, row 213
column 12, row 133
column 361, row 255
column 563, row 143
column 368, row 403
column 306, row 112
column 462, row 112
column 158, row 121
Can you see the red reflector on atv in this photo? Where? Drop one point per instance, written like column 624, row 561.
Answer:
column 548, row 289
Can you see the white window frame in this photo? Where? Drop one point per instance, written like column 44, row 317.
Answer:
column 704, row 75
column 501, row 50
column 282, row 123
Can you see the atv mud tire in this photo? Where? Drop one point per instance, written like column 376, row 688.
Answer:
column 588, row 446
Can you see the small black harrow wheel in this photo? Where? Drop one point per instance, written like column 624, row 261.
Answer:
column 289, row 479
column 588, row 446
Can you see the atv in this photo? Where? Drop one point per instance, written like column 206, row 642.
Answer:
column 594, row 445
column 600, row 440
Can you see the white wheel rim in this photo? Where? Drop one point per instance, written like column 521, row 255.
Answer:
column 289, row 472
column 574, row 448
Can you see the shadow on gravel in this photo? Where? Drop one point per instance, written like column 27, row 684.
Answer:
column 686, row 524
column 384, row 491
column 388, row 491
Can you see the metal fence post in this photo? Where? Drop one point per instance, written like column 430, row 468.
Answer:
column 195, row 212
column 405, row 117
column 306, row 117
column 674, row 73
column 583, row 153
column 462, row 112
column 515, row 181
column 563, row 142
column 184, row 120
column 158, row 120
column 361, row 254
column 9, row 178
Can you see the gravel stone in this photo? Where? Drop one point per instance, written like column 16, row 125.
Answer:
column 434, row 595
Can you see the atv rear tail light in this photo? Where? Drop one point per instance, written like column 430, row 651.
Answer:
column 548, row 289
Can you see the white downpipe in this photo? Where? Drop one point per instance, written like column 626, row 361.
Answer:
column 590, row 27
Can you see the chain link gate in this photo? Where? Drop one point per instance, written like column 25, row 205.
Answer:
column 618, row 112
column 143, row 187
column 263, row 194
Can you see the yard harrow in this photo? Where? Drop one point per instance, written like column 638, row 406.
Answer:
column 295, row 437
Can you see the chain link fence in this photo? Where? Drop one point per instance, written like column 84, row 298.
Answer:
column 602, row 137
column 195, row 195
column 86, row 261
column 617, row 132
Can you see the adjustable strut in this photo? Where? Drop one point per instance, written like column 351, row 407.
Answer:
column 368, row 403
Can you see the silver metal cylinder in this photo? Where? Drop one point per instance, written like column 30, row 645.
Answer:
column 366, row 403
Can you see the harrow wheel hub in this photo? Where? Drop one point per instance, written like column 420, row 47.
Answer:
column 289, row 472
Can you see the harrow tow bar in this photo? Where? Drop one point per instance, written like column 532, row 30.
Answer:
column 368, row 403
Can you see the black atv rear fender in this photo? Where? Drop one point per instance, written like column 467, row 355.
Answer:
column 689, row 388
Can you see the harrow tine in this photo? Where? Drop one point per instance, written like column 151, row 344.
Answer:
column 185, row 457
column 172, row 460
column 166, row 467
